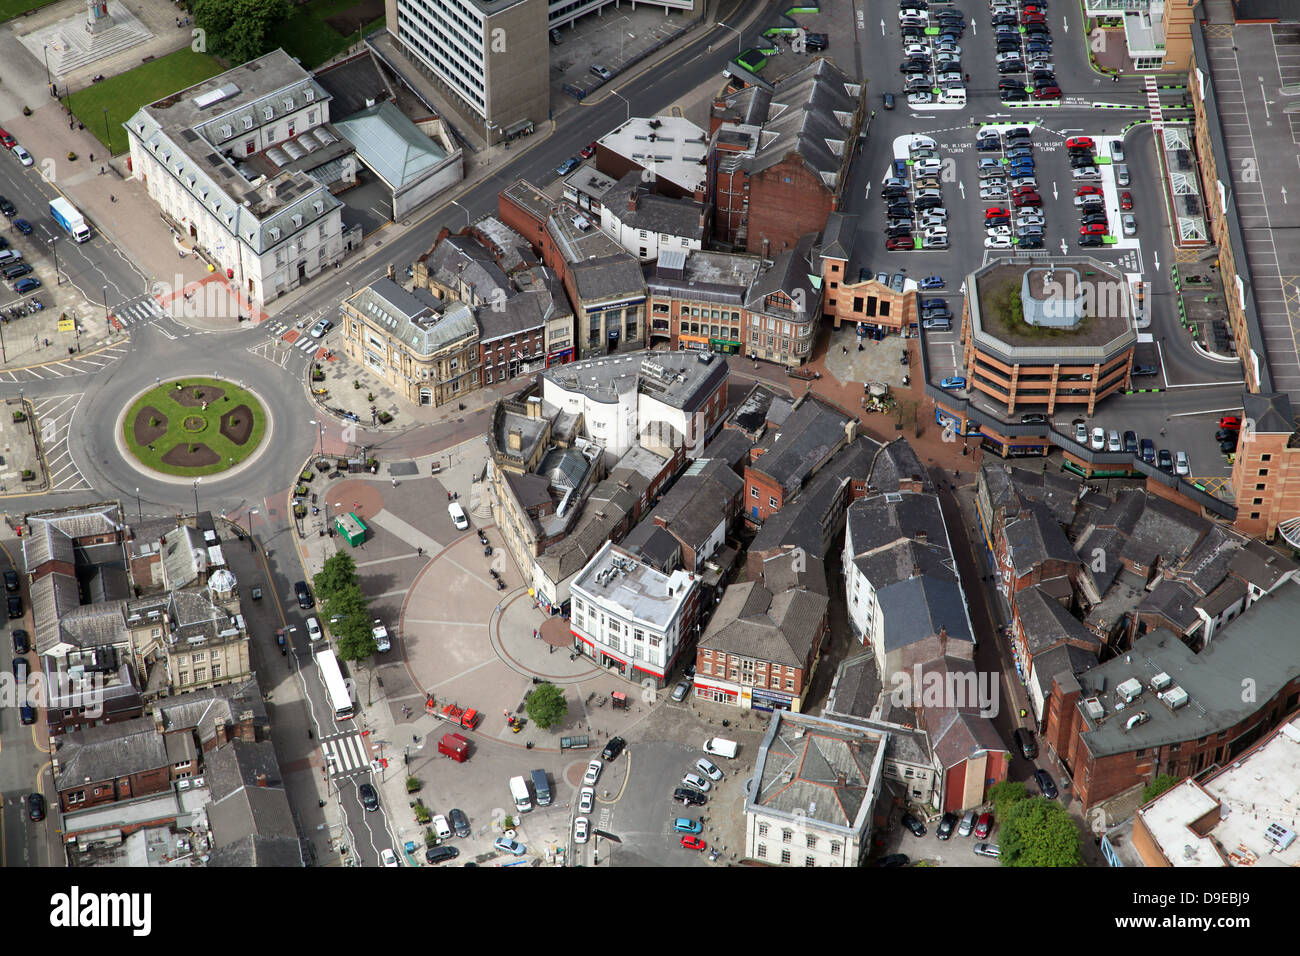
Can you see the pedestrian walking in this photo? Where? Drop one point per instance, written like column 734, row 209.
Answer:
column 394, row 482
column 92, row 157
column 419, row 552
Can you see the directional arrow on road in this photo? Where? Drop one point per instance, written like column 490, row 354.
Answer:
column 882, row 28
column 1156, row 257
column 1284, row 194
column 868, row 193
column 1055, row 195
column 1064, row 247
column 962, row 187
column 1066, row 21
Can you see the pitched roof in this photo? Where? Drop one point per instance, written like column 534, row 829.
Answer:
column 895, row 462
column 1045, row 624
column 789, row 283
column 920, row 607
column 839, row 236
column 753, row 622
column 100, row 753
column 1035, row 537
column 805, row 442
column 1271, row 412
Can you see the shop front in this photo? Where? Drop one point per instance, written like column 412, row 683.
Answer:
column 559, row 357
column 695, row 342
column 724, row 346
column 719, row 693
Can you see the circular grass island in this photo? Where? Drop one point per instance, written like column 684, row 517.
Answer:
column 194, row 426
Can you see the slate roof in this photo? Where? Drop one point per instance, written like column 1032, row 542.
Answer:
column 461, row 259
column 110, row 750
column 1035, row 538
column 731, row 446
column 251, row 825
column 965, row 736
column 751, row 621
column 918, row 607
column 1045, row 624
column 780, row 573
column 1270, row 411
column 653, row 545
column 701, row 498
column 897, row 461
column 611, row 277
column 421, row 321
column 791, row 279
column 1175, row 601
column 1260, row 565
column 803, row 444
column 206, row 709
column 1009, row 488
column 353, row 83
column 838, row 236
column 750, row 414
column 1223, row 597
column 655, row 213
column 50, row 535
column 1061, row 659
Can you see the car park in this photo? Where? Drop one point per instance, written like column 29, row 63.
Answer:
column 993, row 192
column 913, row 824
column 1028, row 199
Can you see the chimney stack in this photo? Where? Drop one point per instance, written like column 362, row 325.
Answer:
column 921, row 537
column 247, row 733
column 631, row 201
column 943, row 639
column 261, row 779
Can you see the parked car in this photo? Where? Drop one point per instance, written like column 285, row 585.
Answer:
column 15, row 603
column 932, row 282
column 894, row 859
column 953, row 381
column 581, row 829
column 459, row 822
column 1125, row 200
column 913, row 824
column 567, row 166
column 11, row 576
column 1182, row 467
column 1045, row 784
column 21, row 643
column 1024, row 738
column 613, row 748
column 696, row 781
column 512, row 847
column 1098, row 439
column 1116, row 152
column 441, row 827
column 987, row 849
column 1129, row 224
column 983, row 825
column 694, row 843
column 593, row 773
column 1226, row 434
column 601, row 71
column 946, row 826
column 303, row 594
column 1033, row 418
column 23, row 226
column 709, row 769
column 967, row 823
column 588, row 151
column 687, row 825
column 1165, row 461
column 1081, row 433
column 1140, row 370
column 1131, row 442
column 586, row 799
column 1147, row 450
column 1230, row 421
column 690, row 797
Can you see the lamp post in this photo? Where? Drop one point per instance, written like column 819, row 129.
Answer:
column 48, row 82
column 108, row 137
column 739, row 39
column 625, row 102
column 249, row 518
column 139, row 510
column 452, row 202
column 4, row 356
column 54, row 251
column 196, row 498
column 105, row 289
column 320, row 433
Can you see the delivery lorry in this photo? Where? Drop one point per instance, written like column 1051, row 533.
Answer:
column 519, row 790
column 66, row 215
column 454, row 746
column 542, row 787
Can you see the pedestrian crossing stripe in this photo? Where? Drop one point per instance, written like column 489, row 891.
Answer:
column 345, row 754
column 307, row 344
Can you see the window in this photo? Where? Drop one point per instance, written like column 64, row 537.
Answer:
column 771, row 502
column 198, row 656
column 787, row 836
column 762, row 851
column 753, row 492
column 1263, row 472
column 811, row 841
column 835, row 846
column 809, row 861
column 789, row 683
column 1254, row 515
column 762, row 829
column 1259, row 487
column 1265, row 457
column 785, row 856
column 1257, row 501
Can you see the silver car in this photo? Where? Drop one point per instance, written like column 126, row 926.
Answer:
column 681, row 690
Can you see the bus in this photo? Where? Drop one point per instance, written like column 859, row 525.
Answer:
column 335, row 687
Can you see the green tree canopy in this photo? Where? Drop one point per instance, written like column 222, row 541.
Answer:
column 1004, row 796
column 1157, row 786
column 338, row 574
column 353, row 636
column 547, row 706
column 1039, row 832
column 239, row 30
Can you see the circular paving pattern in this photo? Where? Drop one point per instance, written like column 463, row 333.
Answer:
column 194, row 426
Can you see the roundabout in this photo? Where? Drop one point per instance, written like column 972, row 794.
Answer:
column 193, row 427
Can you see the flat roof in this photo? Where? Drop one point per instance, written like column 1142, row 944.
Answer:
column 618, row 577
column 1255, row 793
column 670, row 146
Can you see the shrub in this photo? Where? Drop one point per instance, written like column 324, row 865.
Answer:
column 20, row 417
column 412, row 784
column 370, row 396
column 385, row 418
column 153, row 422
column 356, row 384
column 29, row 475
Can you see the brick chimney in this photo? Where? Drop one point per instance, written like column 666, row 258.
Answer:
column 631, row 201
column 261, row 779
column 921, row 537
column 247, row 733
column 943, row 639
column 515, row 440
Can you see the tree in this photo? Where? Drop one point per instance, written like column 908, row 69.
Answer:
column 1004, row 796
column 240, row 30
column 338, row 574
column 1157, row 786
column 547, row 706
column 1039, row 832
column 353, row 636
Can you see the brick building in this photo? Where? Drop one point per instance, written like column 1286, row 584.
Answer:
column 791, row 454
column 1266, row 470
column 696, row 300
column 862, row 299
column 117, row 762
column 779, row 155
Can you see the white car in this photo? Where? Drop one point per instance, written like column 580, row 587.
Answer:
column 1047, row 65
column 1098, row 439
column 1116, row 152
column 997, row 242
column 441, row 827
column 320, row 328
column 1081, row 433
column 593, row 773
column 993, row 192
column 1089, row 198
column 934, row 232
column 1130, row 225
column 920, row 99
column 938, row 212
column 907, row 14
column 916, row 49
column 389, row 858
column 1031, row 219
column 586, row 800
column 952, row 48
column 581, row 827
column 1007, row 57
column 996, row 231
column 313, row 629
column 698, row 782
column 929, row 222
column 1182, row 466
column 709, row 769
column 22, row 155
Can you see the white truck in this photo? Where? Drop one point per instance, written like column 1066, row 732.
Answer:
column 519, row 790
column 380, row 634
column 66, row 215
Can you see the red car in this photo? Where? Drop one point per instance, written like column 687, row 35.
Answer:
column 899, row 243
column 589, row 150
column 1028, row 199
column 983, row 826
column 1048, row 93
column 1032, row 17
column 1093, row 229
column 1230, row 421
column 1023, row 191
column 6, row 139
column 1088, row 191
column 1080, row 142
column 1125, row 200
column 694, row 843
column 995, row 212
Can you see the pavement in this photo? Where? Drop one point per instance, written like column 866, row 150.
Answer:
column 21, row 450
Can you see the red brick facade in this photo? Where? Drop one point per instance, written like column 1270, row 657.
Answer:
column 767, row 212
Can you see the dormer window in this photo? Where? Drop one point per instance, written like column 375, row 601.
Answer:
column 274, row 233
column 227, row 131
column 269, row 113
column 309, row 94
column 297, row 221
column 288, row 103
column 248, row 122
column 319, row 207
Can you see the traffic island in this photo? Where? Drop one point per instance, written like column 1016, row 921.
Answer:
column 194, row 427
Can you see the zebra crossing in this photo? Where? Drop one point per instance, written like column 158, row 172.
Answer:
column 138, row 311
column 1153, row 102
column 345, row 754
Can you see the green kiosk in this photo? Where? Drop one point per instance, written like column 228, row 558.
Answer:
column 351, row 527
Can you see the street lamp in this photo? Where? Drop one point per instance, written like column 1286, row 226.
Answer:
column 108, row 137
column 625, row 102
column 452, row 202
column 196, row 498
column 249, row 517
column 739, row 40
column 58, row 279
column 105, row 305
column 48, row 81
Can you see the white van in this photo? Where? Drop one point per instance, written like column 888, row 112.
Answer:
column 313, row 629
column 458, row 516
column 721, row 747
